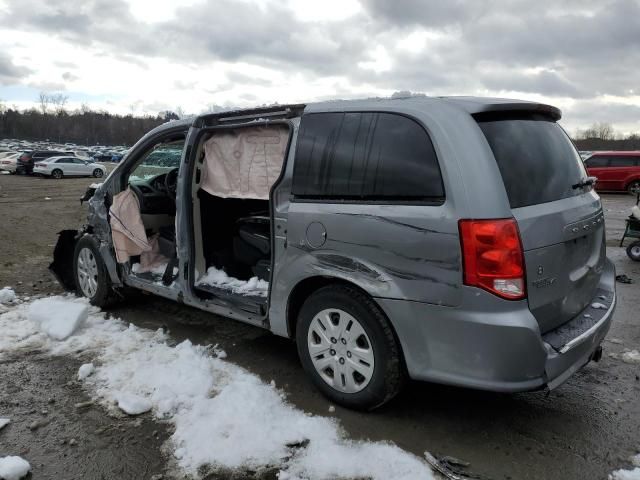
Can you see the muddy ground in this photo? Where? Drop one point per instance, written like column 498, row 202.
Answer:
column 583, row 430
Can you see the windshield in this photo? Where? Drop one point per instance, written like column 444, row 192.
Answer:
column 536, row 158
column 161, row 159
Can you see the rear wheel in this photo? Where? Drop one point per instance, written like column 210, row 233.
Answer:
column 97, row 173
column 347, row 346
column 92, row 279
column 633, row 251
column 57, row 174
column 634, row 187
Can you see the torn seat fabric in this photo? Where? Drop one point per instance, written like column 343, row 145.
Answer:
column 244, row 163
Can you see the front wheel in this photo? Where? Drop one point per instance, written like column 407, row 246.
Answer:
column 57, row 174
column 347, row 346
column 97, row 173
column 633, row 251
column 634, row 187
column 91, row 277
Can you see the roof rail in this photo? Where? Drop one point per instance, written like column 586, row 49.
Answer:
column 271, row 112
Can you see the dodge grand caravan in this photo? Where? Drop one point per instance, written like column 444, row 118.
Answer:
column 450, row 240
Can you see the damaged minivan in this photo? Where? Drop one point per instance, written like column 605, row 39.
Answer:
column 453, row 240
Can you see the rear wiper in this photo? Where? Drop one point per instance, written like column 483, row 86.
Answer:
column 585, row 182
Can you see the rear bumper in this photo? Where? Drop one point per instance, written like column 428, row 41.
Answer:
column 492, row 344
column 41, row 171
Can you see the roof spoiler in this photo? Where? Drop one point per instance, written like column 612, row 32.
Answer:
column 248, row 115
column 501, row 110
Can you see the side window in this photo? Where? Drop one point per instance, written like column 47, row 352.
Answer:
column 624, row 161
column 65, row 160
column 597, row 161
column 363, row 155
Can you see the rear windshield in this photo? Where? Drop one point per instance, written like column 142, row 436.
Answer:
column 537, row 160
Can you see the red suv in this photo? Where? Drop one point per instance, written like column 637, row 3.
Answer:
column 616, row 171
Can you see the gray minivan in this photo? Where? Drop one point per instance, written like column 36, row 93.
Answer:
column 454, row 240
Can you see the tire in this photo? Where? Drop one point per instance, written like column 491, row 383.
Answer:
column 57, row 174
column 90, row 273
column 97, row 173
column 634, row 187
column 633, row 251
column 371, row 347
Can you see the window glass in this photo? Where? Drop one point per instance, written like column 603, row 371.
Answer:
column 364, row 155
column 161, row 159
column 537, row 160
column 65, row 160
column 620, row 161
column 597, row 161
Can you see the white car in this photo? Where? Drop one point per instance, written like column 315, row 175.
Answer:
column 58, row 167
column 8, row 162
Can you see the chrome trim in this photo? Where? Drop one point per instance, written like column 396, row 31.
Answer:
column 580, row 338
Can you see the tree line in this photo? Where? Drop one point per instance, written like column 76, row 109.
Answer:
column 50, row 120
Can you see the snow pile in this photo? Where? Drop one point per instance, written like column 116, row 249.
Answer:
column 631, row 356
column 219, row 278
column 85, row 370
column 133, row 404
column 7, row 295
column 58, row 318
column 599, row 306
column 13, row 468
column 224, row 416
column 628, row 474
column 4, row 422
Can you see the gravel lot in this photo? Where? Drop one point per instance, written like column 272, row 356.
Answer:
column 583, row 430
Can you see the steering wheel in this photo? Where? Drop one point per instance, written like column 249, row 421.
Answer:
column 171, row 183
column 135, row 189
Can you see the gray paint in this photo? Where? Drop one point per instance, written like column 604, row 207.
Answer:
column 407, row 257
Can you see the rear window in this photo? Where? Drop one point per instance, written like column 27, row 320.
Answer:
column 538, row 162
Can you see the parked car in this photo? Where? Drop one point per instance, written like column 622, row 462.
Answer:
column 58, row 167
column 451, row 240
column 8, row 162
column 616, row 171
column 28, row 158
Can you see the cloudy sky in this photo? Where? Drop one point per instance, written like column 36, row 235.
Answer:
column 144, row 56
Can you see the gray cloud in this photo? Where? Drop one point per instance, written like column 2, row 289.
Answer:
column 10, row 73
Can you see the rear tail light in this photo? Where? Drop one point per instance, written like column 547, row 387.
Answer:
column 492, row 257
column 41, row 165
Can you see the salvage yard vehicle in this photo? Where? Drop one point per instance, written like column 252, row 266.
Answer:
column 8, row 162
column 616, row 171
column 27, row 160
column 454, row 240
column 58, row 167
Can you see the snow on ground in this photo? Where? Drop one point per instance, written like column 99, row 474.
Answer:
column 58, row 318
column 7, row 295
column 85, row 370
column 224, row 416
column 4, row 422
column 13, row 468
column 133, row 404
column 219, row 278
column 631, row 356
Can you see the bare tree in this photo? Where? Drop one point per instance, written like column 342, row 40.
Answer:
column 44, row 99
column 58, row 100
column 599, row 130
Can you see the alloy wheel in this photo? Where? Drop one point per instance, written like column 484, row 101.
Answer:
column 87, row 272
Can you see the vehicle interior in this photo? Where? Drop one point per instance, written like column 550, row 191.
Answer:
column 153, row 180
column 233, row 176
